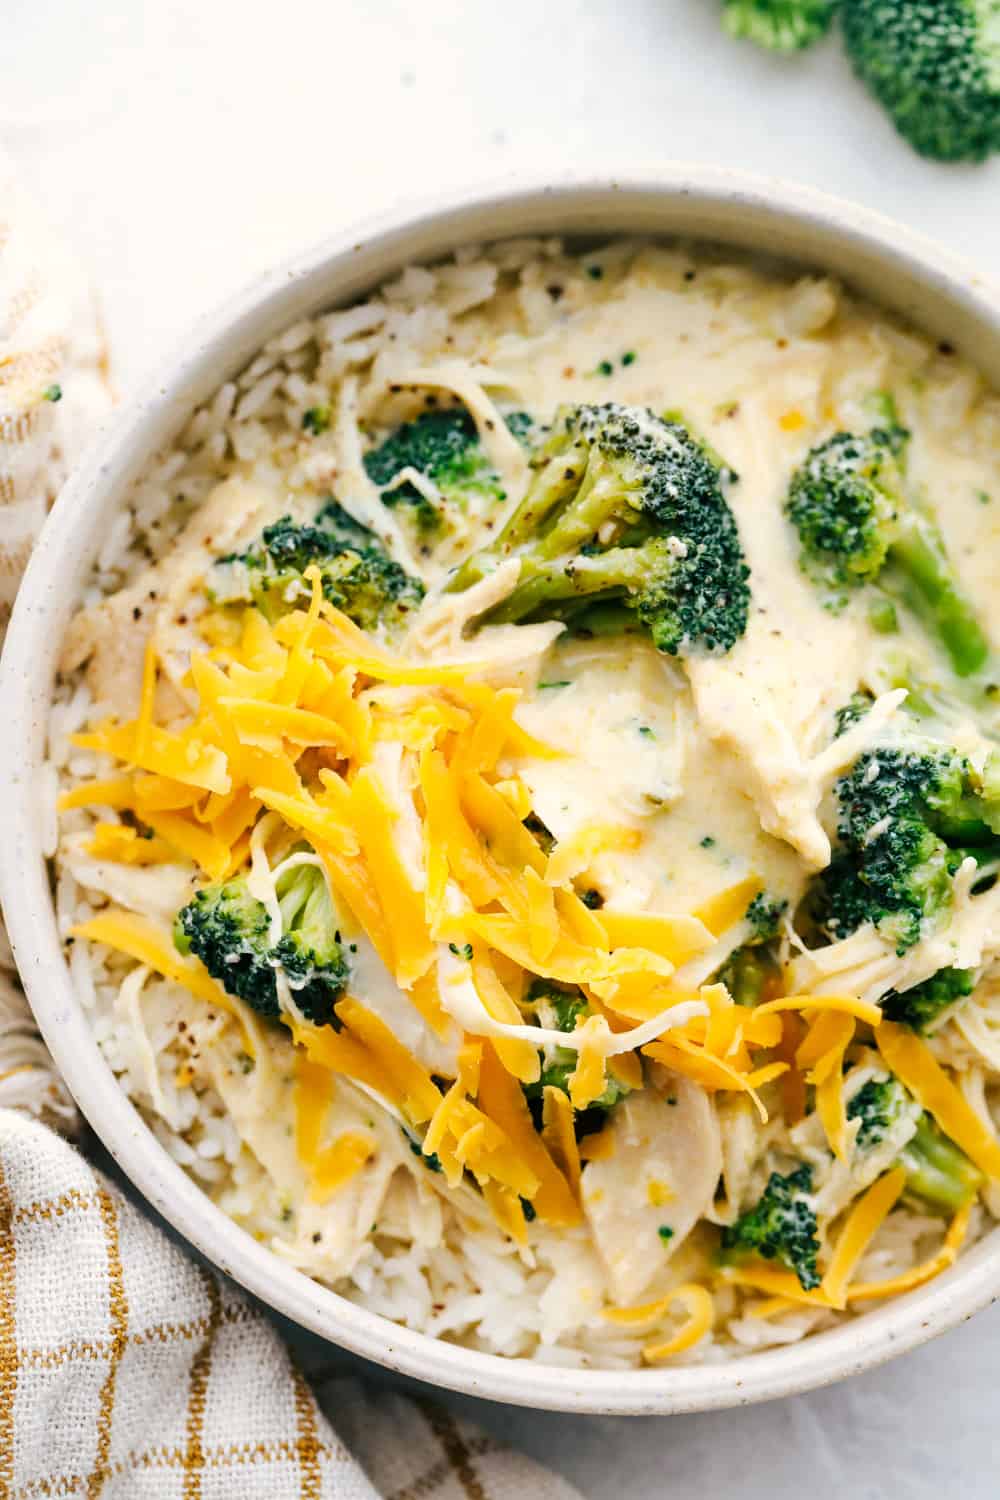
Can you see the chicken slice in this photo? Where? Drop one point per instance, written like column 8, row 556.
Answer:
column 662, row 1175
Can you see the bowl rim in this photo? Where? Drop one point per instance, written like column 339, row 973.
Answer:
column 330, row 273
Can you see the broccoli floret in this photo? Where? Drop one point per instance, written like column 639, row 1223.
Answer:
column 752, row 968
column 908, row 816
column 852, row 712
column 310, row 951
column 444, row 447
column 846, row 502
column 357, row 576
column 920, row 1006
column 935, row 66
column 938, row 1173
column 779, row 25
column 764, row 915
column 627, row 510
column 781, row 1226
column 229, row 930
column 559, row 1009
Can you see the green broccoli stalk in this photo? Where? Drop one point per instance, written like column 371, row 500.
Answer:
column 778, row 25
column 938, row 1174
column 559, row 1010
column 909, row 814
column 624, row 510
column 855, row 526
column 357, row 576
column 229, row 930
column 922, row 1005
column 935, row 66
column 444, row 447
column 781, row 1226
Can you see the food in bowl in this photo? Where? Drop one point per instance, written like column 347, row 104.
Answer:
column 528, row 805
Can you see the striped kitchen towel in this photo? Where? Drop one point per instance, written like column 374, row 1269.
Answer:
column 127, row 1371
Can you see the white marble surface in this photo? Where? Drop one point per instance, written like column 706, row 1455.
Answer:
column 185, row 144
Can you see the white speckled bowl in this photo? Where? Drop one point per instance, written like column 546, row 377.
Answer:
column 875, row 256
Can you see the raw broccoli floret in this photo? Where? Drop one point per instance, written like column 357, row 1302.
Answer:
column 358, row 577
column 920, row 1006
column 781, row 1226
column 444, row 447
column 935, row 66
column 779, row 25
column 229, row 930
column 938, row 1173
column 626, row 510
column 855, row 525
column 908, row 816
column 559, row 1009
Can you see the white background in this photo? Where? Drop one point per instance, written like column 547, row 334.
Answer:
column 184, row 145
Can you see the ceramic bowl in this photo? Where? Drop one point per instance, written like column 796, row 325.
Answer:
column 875, row 257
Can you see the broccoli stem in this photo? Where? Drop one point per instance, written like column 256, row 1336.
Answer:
column 918, row 552
column 937, row 1172
column 619, row 569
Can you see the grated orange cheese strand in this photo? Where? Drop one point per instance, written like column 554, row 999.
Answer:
column 713, row 1073
column 600, row 1146
column 542, row 921
column 675, row 938
column 574, row 855
column 346, row 1055
column 252, row 718
column 728, row 907
column 559, row 1136
column 851, row 1005
column 506, row 837
column 784, row 1284
column 829, row 1032
column 581, row 924
column 374, row 818
column 872, row 1290
column 501, row 1099
column 321, row 822
column 916, row 1067
column 698, row 1304
column 862, row 1224
column 116, row 792
column 211, row 854
column 181, row 757
column 122, row 845
column 415, row 1087
column 448, row 830
column 588, row 1080
column 569, row 961
column 828, row 1076
column 518, row 1057
column 505, row 1206
column 144, row 722
column 481, row 748
column 349, row 879
column 339, row 1163
column 140, row 938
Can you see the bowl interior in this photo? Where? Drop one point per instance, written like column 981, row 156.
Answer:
column 877, row 259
